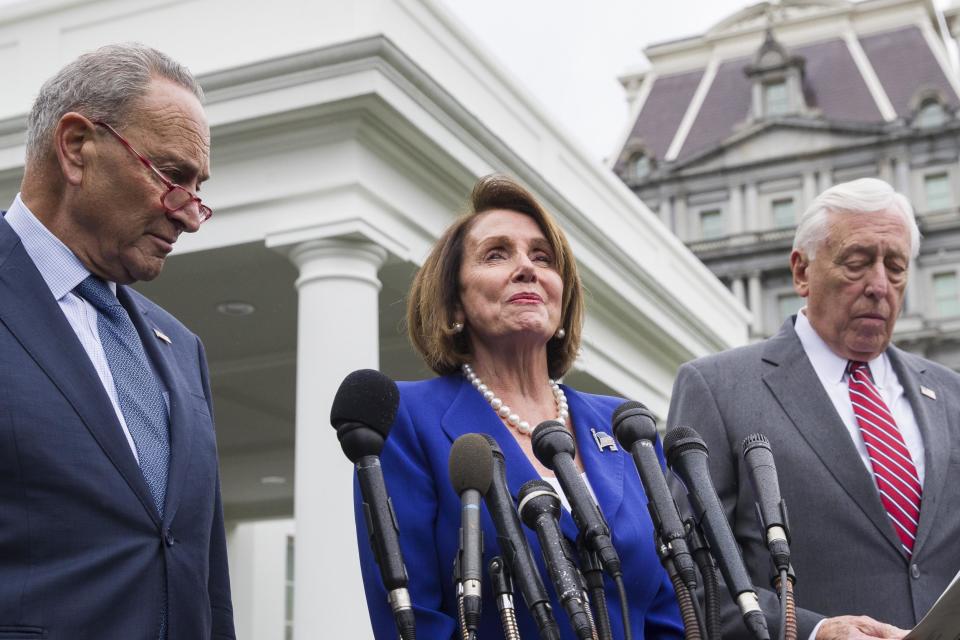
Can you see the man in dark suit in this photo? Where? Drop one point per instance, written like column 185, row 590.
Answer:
column 865, row 436
column 111, row 524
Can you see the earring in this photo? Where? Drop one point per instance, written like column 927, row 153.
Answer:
column 560, row 334
column 457, row 327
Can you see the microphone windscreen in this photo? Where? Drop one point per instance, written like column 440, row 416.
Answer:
column 367, row 397
column 680, row 439
column 632, row 421
column 755, row 440
column 471, row 463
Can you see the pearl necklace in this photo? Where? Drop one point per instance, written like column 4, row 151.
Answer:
column 512, row 419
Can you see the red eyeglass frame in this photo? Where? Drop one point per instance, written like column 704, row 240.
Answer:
column 205, row 212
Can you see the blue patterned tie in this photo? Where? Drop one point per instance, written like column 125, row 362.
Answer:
column 138, row 391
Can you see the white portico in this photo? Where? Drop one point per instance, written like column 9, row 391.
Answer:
column 346, row 136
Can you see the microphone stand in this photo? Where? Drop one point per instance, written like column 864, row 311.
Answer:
column 502, row 584
column 700, row 551
column 593, row 576
column 689, row 607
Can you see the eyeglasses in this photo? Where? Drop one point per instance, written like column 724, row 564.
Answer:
column 176, row 197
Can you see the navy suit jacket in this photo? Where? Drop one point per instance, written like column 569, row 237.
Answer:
column 84, row 553
column 434, row 413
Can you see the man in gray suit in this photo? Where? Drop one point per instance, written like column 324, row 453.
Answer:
column 864, row 435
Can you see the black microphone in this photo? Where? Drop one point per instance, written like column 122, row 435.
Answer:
column 687, row 456
column 771, row 508
column 540, row 510
column 363, row 411
column 471, row 467
column 636, row 431
column 554, row 447
column 514, row 547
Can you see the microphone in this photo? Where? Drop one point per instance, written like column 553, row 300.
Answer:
column 636, row 431
column 554, row 447
column 771, row 509
column 687, row 456
column 362, row 412
column 514, row 547
column 540, row 510
column 471, row 467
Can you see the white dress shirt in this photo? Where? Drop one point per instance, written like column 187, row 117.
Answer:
column 62, row 271
column 832, row 371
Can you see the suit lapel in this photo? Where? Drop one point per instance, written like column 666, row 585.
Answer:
column 795, row 385
column 470, row 413
column 931, row 417
column 37, row 322
column 605, row 469
column 181, row 435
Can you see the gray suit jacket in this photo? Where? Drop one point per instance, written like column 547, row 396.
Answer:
column 846, row 555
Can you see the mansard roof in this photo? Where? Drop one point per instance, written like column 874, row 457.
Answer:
column 849, row 80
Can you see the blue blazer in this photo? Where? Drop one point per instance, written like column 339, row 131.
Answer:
column 434, row 413
column 84, row 553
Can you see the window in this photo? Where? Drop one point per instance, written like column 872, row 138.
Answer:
column 945, row 294
column 788, row 304
column 931, row 114
column 784, row 213
column 936, row 186
column 711, row 224
column 288, row 596
column 776, row 100
column 640, row 166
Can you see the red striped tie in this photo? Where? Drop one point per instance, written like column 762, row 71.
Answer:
column 893, row 468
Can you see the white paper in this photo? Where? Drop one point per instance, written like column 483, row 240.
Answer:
column 942, row 622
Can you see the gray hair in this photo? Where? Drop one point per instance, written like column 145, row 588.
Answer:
column 866, row 195
column 102, row 85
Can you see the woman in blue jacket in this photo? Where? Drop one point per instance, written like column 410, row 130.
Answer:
column 496, row 310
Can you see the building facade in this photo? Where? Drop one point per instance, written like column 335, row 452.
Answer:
column 345, row 137
column 733, row 132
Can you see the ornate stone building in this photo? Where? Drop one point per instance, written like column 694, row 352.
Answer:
column 734, row 131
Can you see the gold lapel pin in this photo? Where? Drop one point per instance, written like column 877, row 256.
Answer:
column 927, row 391
column 162, row 336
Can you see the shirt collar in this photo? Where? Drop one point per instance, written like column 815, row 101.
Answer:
column 59, row 267
column 830, row 367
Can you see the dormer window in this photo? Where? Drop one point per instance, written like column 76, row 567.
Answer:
column 776, row 99
column 777, row 79
column 928, row 109
column 640, row 166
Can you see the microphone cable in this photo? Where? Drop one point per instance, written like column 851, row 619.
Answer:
column 700, row 551
column 593, row 576
column 783, row 584
column 686, row 598
column 502, row 585
column 624, row 607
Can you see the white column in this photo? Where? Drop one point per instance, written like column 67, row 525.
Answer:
column 809, row 190
column 736, row 287
column 666, row 212
column 681, row 222
column 885, row 170
column 753, row 290
column 735, row 210
column 902, row 171
column 751, row 213
column 826, row 179
column 337, row 332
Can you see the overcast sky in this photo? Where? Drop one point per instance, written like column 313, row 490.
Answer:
column 569, row 53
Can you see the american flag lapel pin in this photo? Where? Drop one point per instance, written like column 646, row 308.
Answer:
column 604, row 440
column 162, row 335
